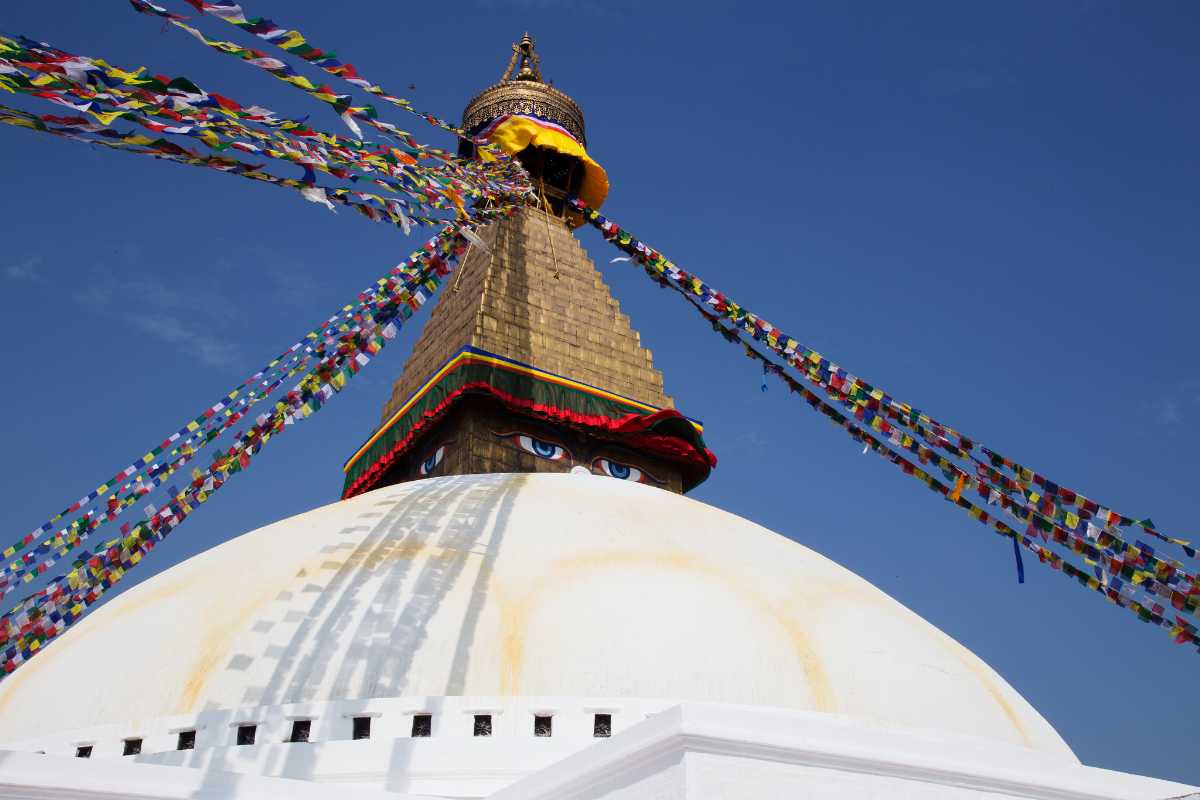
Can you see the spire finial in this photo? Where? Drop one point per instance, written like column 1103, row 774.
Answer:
column 524, row 64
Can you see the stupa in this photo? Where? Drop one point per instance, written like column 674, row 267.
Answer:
column 515, row 598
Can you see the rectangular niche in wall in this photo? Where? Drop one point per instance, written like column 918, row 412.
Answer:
column 362, row 728
column 245, row 734
column 301, row 729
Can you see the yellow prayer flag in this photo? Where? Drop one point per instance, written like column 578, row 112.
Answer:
column 122, row 75
column 301, row 81
column 294, row 39
column 108, row 117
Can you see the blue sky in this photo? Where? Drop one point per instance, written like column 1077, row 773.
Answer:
column 987, row 209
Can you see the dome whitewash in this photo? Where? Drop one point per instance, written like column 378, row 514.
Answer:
column 514, row 585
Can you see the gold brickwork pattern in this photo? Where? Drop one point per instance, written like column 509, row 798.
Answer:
column 535, row 296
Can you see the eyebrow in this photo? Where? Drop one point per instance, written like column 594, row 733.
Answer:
column 534, row 434
column 550, row 439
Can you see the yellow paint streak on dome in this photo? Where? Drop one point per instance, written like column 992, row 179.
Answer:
column 816, row 595
column 981, row 673
column 119, row 608
column 562, row 574
column 225, row 624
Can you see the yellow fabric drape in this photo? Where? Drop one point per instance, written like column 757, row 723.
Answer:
column 516, row 133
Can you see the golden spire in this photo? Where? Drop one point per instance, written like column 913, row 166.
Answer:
column 525, row 62
column 522, row 90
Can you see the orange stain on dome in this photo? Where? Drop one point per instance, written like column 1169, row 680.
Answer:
column 565, row 572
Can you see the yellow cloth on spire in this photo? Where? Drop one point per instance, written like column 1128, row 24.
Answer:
column 515, row 133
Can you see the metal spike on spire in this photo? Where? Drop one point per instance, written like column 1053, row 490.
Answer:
column 525, row 65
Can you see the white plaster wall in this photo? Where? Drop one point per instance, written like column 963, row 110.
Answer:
column 694, row 751
column 25, row 776
column 391, row 719
column 717, row 752
column 511, row 586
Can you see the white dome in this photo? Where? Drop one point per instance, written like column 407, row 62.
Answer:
column 514, row 585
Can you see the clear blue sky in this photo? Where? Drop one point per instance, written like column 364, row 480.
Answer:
column 989, row 210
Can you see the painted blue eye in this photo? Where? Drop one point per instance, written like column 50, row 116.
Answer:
column 618, row 470
column 615, row 469
column 428, row 465
column 541, row 448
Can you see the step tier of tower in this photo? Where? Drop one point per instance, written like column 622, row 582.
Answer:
column 536, row 297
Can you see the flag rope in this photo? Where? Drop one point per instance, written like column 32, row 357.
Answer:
column 325, row 358
column 1132, row 576
column 31, row 623
column 180, row 107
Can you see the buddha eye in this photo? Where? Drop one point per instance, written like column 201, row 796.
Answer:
column 435, row 458
column 615, row 469
column 541, row 448
column 538, row 447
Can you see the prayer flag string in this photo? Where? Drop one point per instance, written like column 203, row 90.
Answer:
column 1131, row 575
column 371, row 206
column 35, row 620
column 293, row 42
column 430, row 179
column 326, row 358
column 136, row 480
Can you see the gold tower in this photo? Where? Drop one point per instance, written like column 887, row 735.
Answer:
column 527, row 363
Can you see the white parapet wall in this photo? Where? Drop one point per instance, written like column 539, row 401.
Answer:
column 678, row 752
column 722, row 752
column 451, row 760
